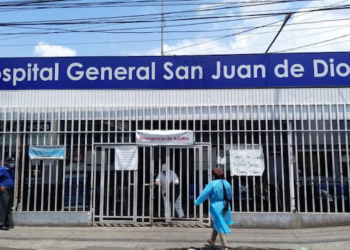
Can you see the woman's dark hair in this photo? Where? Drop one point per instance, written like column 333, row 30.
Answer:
column 218, row 173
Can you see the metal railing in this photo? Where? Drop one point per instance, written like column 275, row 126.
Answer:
column 306, row 149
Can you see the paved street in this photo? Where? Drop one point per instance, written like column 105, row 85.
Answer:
column 107, row 238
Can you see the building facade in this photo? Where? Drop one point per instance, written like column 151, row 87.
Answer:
column 299, row 120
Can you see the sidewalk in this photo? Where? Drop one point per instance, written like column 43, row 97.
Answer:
column 108, row 238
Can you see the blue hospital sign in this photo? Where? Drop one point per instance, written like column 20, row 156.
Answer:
column 177, row 72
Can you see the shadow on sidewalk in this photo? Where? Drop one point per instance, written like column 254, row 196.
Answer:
column 230, row 248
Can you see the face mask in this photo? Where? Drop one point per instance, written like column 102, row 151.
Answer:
column 12, row 165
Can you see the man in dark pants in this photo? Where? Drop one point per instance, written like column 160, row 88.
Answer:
column 6, row 193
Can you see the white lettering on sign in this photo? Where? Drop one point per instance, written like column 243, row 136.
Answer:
column 76, row 72
column 248, row 162
column 243, row 71
column 322, row 68
column 183, row 72
column 187, row 73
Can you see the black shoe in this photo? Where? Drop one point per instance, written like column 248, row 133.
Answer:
column 4, row 228
column 9, row 225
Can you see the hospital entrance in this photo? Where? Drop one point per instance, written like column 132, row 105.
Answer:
column 133, row 196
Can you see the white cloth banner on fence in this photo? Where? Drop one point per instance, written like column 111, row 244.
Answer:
column 247, row 162
column 164, row 137
column 126, row 158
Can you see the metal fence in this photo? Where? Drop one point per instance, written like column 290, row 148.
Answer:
column 305, row 148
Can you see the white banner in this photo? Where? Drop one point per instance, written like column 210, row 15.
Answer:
column 164, row 137
column 126, row 158
column 249, row 162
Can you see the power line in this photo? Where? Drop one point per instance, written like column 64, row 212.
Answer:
column 296, row 15
column 311, row 44
column 222, row 37
column 178, row 39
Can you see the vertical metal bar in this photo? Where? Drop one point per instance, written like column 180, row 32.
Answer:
column 130, row 126
column 200, row 180
column 58, row 132
column 303, row 148
column 166, row 201
column 291, row 165
column 296, row 155
column 311, row 160
column 144, row 183
column 136, row 176
column 282, row 158
column 136, row 186
column 333, row 160
column 188, row 181
column 51, row 162
column 85, row 159
column 128, row 190
column 123, row 126
column 151, row 183
column 93, row 184
column 347, row 150
column 24, row 143
column 318, row 161
column 5, row 135
column 253, row 145
column 78, row 161
column 172, row 181
column 118, row 186
column 238, row 148
column 11, row 132
column 64, row 160
column 275, row 158
column 30, row 163
column 195, row 180
column 325, row 155
column 102, row 183
column 19, row 141
column 44, row 162
column 36, row 165
column 17, row 157
column 267, row 157
column 340, row 161
column 71, row 162
column 245, row 147
column 108, row 167
column 260, row 146
column 159, row 187
column 122, row 192
column 180, row 177
column 231, row 148
column 115, row 197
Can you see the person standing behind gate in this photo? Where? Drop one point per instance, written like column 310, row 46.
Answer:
column 165, row 178
column 219, row 192
column 6, row 193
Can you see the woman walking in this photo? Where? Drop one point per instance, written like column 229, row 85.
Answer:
column 219, row 193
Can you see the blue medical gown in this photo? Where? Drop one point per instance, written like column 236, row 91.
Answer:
column 214, row 191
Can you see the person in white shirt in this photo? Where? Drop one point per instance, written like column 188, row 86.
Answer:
column 164, row 179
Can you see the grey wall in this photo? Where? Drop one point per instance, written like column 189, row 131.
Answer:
column 78, row 219
column 289, row 220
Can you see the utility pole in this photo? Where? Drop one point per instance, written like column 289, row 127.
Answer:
column 162, row 31
column 284, row 23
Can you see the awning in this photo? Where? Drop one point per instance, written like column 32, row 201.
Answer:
column 45, row 153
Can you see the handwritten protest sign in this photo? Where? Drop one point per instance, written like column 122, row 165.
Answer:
column 247, row 162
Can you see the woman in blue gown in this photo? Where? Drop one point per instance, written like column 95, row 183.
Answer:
column 220, row 212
